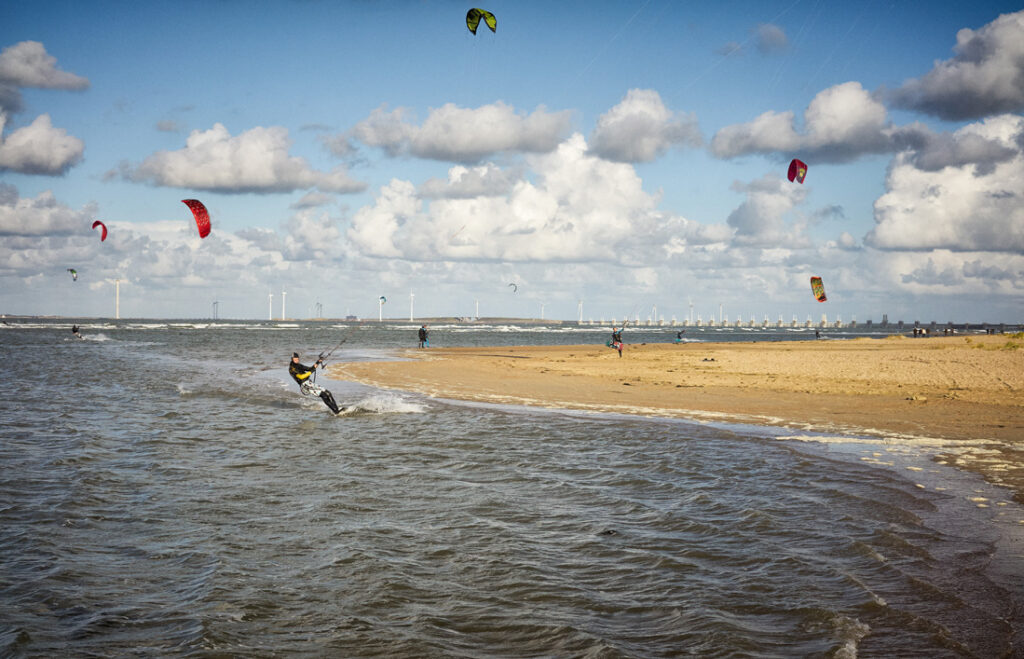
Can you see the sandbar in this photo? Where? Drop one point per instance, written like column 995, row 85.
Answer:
column 954, row 388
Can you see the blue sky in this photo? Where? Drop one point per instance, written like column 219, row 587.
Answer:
column 631, row 155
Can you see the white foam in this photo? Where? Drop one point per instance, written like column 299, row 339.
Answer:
column 386, row 403
column 849, row 631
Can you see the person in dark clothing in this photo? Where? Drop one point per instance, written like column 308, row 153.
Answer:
column 74, row 330
column 301, row 374
column 423, row 336
column 616, row 341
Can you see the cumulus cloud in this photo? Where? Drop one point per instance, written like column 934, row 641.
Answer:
column 40, row 216
column 256, row 160
column 39, row 148
column 27, row 64
column 464, row 135
column 957, row 207
column 760, row 219
column 840, row 124
column 770, row 38
column 640, row 129
column 577, row 208
column 985, row 77
column 933, row 152
column 312, row 236
column 485, row 180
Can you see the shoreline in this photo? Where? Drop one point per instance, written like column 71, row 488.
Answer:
column 949, row 388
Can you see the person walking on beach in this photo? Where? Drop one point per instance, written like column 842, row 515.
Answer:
column 616, row 341
column 424, row 343
column 301, row 374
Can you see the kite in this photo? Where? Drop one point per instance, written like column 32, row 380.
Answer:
column 74, row 274
column 202, row 216
column 515, row 289
column 797, row 170
column 97, row 223
column 473, row 17
column 818, row 289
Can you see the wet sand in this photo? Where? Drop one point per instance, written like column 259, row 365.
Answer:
column 953, row 388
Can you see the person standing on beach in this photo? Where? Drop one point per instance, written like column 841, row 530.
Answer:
column 617, row 340
column 423, row 337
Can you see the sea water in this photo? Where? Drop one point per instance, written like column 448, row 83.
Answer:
column 165, row 490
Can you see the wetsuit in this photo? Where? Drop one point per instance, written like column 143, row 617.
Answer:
column 617, row 341
column 301, row 374
column 423, row 336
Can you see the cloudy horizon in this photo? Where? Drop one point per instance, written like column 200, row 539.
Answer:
column 633, row 159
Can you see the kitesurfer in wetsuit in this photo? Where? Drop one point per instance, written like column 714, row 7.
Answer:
column 301, row 374
column 74, row 330
column 617, row 340
column 423, row 336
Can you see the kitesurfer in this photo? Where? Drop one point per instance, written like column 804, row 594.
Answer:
column 301, row 374
column 617, row 340
column 423, row 336
column 74, row 330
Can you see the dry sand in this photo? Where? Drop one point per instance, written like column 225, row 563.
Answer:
column 955, row 388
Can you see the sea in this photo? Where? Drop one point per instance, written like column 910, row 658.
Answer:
column 166, row 491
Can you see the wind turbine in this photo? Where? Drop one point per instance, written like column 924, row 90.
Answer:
column 270, row 306
column 412, row 296
column 690, row 300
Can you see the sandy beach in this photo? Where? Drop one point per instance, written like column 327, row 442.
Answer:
column 953, row 388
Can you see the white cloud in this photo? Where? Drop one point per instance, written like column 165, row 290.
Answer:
column 41, row 216
column 27, row 64
column 256, row 160
column 465, row 135
column 578, row 208
column 312, row 235
column 956, row 208
column 485, row 180
column 39, row 148
column 840, row 124
column 985, row 77
column 760, row 219
column 640, row 129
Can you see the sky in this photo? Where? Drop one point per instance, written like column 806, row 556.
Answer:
column 623, row 158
